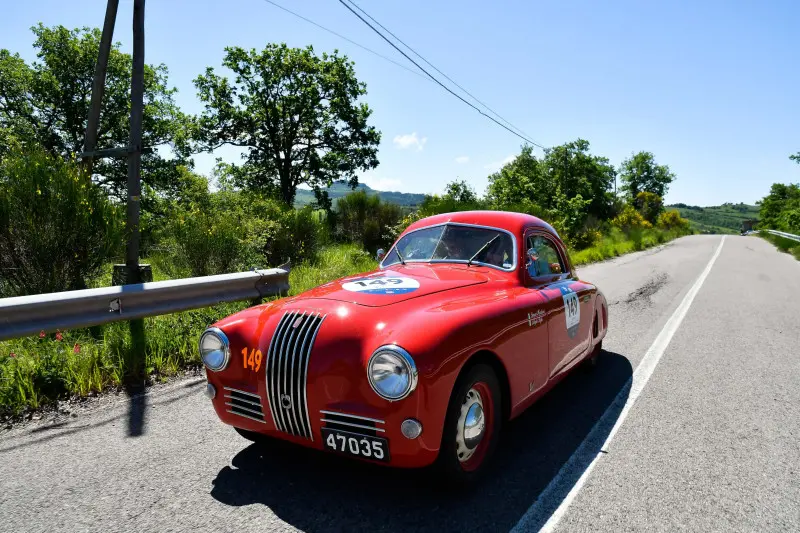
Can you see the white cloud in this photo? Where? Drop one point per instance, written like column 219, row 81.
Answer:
column 462, row 159
column 497, row 165
column 410, row 140
column 380, row 184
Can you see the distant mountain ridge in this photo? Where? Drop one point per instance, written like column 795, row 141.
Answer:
column 725, row 218
column 339, row 189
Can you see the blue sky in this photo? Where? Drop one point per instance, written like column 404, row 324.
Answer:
column 711, row 88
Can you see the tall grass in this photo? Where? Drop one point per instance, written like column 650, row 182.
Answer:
column 619, row 242
column 783, row 244
column 38, row 371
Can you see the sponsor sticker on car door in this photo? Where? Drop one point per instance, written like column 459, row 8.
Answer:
column 572, row 310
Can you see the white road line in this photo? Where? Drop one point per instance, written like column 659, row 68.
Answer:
column 551, row 505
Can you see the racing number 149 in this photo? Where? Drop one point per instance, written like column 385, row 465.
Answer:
column 394, row 281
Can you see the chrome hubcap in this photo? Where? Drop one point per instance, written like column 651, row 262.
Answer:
column 471, row 425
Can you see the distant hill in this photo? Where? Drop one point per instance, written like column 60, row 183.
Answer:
column 339, row 189
column 725, row 218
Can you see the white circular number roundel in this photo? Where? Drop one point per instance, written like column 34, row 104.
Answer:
column 382, row 285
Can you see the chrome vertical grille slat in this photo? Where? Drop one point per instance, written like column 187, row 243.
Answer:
column 295, row 386
column 266, row 366
column 317, row 326
column 287, row 371
column 280, row 348
column 288, row 377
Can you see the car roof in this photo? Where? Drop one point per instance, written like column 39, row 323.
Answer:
column 507, row 220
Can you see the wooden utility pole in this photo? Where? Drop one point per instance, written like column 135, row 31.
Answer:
column 98, row 86
column 137, row 360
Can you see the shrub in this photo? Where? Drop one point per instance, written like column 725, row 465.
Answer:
column 649, row 204
column 630, row 219
column 230, row 230
column 364, row 219
column 672, row 220
column 57, row 229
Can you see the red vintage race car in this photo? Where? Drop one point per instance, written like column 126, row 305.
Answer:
column 470, row 318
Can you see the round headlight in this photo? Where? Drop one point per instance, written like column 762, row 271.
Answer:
column 392, row 373
column 215, row 349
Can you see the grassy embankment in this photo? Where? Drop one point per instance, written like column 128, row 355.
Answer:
column 37, row 371
column 618, row 243
column 783, row 244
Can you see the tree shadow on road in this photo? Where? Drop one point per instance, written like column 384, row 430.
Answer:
column 316, row 491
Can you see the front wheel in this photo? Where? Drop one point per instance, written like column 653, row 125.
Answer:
column 472, row 425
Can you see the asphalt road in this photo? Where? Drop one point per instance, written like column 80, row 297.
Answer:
column 711, row 444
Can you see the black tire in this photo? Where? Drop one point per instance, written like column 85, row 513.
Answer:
column 594, row 358
column 455, row 470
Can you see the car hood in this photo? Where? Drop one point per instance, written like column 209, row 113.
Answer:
column 397, row 284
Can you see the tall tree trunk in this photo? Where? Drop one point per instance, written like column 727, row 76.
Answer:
column 288, row 189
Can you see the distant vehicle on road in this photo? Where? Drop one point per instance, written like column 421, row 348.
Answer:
column 470, row 318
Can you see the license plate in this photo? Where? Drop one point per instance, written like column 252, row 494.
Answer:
column 374, row 448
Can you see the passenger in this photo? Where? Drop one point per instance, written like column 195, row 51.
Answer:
column 499, row 254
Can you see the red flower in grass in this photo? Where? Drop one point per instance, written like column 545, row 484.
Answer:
column 76, row 348
column 12, row 354
column 59, row 336
column 41, row 334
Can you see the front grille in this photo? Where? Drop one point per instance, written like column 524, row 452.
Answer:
column 287, row 370
column 352, row 423
column 242, row 403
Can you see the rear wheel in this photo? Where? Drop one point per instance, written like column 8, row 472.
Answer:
column 472, row 425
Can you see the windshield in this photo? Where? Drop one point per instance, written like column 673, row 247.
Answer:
column 454, row 243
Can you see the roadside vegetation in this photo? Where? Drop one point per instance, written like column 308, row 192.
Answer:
column 780, row 210
column 61, row 228
column 783, row 244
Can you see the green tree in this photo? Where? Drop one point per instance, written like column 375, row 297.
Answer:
column 458, row 196
column 640, row 173
column 780, row 209
column 47, row 103
column 519, row 183
column 795, row 158
column 570, row 170
column 56, row 230
column 295, row 114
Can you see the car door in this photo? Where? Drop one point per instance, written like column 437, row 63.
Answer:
column 567, row 299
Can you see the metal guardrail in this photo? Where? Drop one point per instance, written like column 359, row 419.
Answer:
column 783, row 234
column 28, row 315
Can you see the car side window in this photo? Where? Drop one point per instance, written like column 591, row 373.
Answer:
column 542, row 257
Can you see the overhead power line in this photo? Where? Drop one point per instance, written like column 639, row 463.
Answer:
column 451, row 80
column 339, row 35
column 432, row 77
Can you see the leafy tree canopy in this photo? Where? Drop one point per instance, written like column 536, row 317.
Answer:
column 552, row 183
column 47, row 103
column 780, row 209
column 640, row 173
column 295, row 114
column 570, row 170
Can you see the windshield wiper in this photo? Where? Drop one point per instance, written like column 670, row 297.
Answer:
column 400, row 257
column 485, row 246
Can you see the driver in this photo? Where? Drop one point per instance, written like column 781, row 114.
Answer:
column 496, row 254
